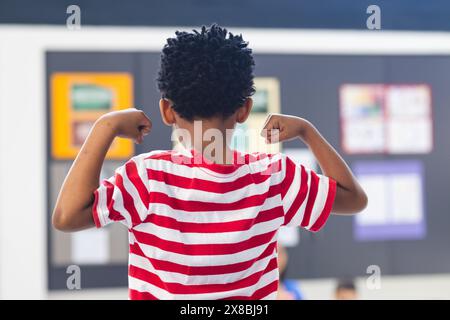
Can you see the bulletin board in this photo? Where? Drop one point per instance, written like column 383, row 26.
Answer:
column 81, row 87
column 309, row 86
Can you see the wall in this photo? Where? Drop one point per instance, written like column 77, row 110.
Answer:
column 22, row 118
column 325, row 14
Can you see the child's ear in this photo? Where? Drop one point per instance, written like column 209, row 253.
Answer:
column 244, row 111
column 167, row 113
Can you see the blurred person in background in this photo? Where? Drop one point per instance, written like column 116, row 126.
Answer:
column 288, row 289
column 346, row 290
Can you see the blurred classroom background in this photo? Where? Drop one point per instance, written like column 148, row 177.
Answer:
column 374, row 80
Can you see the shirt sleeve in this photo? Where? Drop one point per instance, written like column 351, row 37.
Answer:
column 307, row 197
column 123, row 197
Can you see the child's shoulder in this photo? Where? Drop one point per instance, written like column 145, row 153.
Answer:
column 157, row 158
column 259, row 157
column 153, row 155
column 161, row 156
column 261, row 161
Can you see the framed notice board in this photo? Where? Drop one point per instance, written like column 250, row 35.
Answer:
column 81, row 87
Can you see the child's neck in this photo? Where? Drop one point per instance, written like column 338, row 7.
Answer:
column 212, row 138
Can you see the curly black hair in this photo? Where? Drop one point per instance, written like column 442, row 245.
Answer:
column 207, row 73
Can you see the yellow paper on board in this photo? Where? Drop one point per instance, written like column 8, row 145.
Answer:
column 77, row 100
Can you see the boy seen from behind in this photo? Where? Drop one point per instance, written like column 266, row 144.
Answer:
column 203, row 221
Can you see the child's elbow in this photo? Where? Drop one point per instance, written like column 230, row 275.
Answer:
column 349, row 202
column 361, row 202
column 60, row 221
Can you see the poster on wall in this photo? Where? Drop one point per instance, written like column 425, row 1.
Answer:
column 266, row 100
column 396, row 200
column 391, row 119
column 77, row 100
column 90, row 247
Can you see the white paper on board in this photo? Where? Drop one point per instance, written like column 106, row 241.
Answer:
column 409, row 136
column 377, row 210
column 407, row 193
column 408, row 101
column 90, row 246
column 289, row 236
column 364, row 135
column 394, row 199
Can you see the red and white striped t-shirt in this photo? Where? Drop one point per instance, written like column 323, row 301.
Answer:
column 209, row 231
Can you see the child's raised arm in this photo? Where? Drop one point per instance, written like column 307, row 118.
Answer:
column 350, row 197
column 73, row 209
